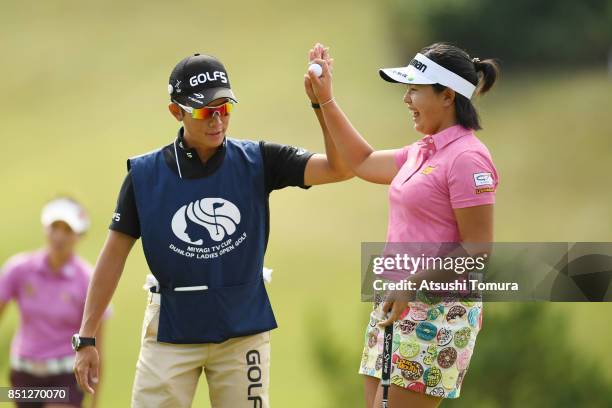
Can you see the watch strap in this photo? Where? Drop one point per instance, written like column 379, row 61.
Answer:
column 87, row 341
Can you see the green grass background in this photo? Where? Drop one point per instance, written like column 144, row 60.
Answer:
column 84, row 87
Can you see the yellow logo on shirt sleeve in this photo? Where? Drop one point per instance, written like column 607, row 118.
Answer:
column 485, row 190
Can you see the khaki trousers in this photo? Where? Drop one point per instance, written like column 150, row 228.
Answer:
column 237, row 370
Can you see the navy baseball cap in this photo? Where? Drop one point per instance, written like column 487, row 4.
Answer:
column 198, row 80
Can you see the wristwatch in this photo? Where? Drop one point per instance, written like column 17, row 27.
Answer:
column 79, row 342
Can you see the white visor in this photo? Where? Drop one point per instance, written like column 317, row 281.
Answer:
column 423, row 71
column 64, row 209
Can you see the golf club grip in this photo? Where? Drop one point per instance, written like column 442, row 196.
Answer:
column 386, row 366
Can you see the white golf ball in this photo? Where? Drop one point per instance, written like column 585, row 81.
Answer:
column 316, row 69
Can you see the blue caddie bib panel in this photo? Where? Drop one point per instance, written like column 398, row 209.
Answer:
column 204, row 241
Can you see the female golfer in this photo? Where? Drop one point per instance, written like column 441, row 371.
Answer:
column 442, row 189
column 49, row 287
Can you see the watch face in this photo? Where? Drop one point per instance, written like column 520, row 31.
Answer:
column 76, row 340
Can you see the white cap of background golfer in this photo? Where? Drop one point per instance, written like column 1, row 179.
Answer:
column 67, row 210
column 423, row 71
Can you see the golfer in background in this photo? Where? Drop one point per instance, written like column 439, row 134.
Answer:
column 200, row 205
column 442, row 189
column 49, row 287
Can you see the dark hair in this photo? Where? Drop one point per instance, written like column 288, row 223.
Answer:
column 482, row 74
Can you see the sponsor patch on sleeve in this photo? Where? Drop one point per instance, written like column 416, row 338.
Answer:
column 483, row 179
column 485, row 190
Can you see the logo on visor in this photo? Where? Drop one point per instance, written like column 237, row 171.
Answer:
column 209, row 217
column 418, row 65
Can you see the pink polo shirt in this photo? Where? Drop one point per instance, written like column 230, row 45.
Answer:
column 50, row 304
column 447, row 170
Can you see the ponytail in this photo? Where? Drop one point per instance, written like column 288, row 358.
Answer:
column 488, row 72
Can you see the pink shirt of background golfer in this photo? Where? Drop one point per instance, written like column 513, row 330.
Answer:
column 50, row 303
column 49, row 285
column 453, row 164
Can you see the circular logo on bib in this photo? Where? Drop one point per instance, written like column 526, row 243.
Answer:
column 209, row 217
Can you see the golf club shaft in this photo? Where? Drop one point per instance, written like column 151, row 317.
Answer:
column 386, row 367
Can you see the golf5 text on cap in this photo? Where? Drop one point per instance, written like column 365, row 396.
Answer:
column 198, row 80
column 67, row 210
column 423, row 71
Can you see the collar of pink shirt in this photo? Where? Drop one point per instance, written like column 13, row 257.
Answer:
column 44, row 266
column 431, row 143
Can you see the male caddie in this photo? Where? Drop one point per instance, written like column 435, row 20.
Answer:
column 200, row 205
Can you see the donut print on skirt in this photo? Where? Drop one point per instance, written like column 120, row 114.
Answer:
column 432, row 376
column 411, row 370
column 409, row 349
column 373, row 337
column 447, row 357
column 417, row 387
column 407, row 326
column 435, row 312
column 462, row 337
column 418, row 312
column 463, row 358
column 455, row 313
column 429, row 356
column 473, row 316
column 399, row 381
column 432, row 346
column 444, row 336
column 426, row 331
column 449, row 378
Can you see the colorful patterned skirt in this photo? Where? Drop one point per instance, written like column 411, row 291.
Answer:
column 433, row 342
